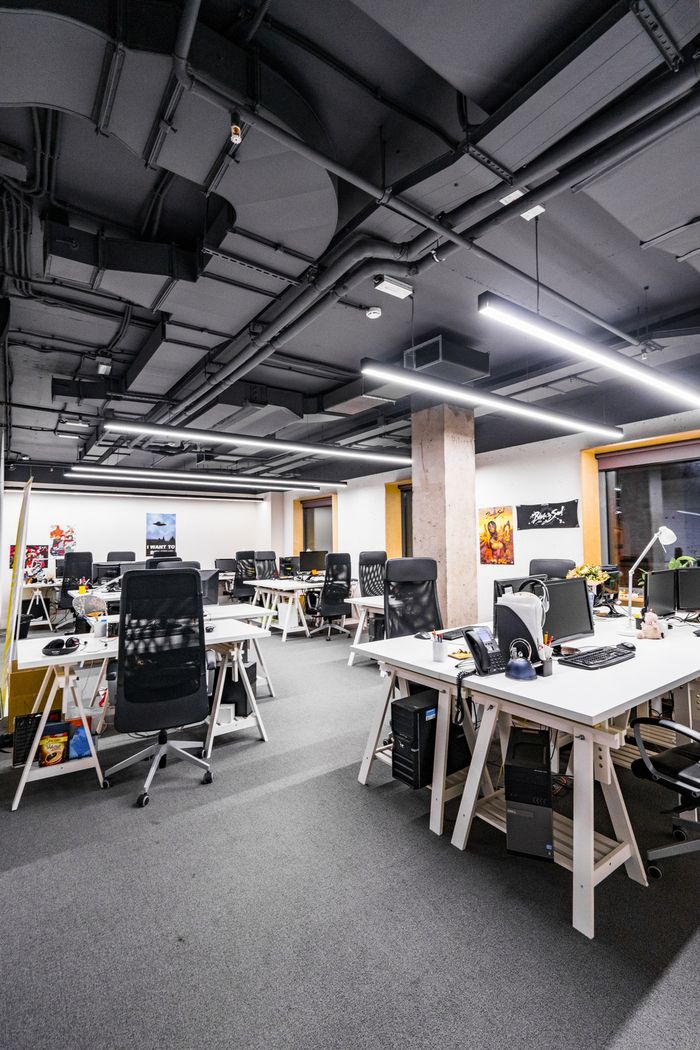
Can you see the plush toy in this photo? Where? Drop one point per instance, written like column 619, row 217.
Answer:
column 650, row 627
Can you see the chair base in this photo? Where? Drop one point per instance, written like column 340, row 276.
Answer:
column 329, row 626
column 159, row 752
column 678, row 849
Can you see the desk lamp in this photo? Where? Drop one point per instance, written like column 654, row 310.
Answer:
column 665, row 536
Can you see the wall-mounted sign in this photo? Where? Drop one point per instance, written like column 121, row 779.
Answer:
column 496, row 544
column 160, row 535
column 562, row 515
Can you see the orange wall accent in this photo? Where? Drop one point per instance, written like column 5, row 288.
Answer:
column 392, row 497
column 297, row 527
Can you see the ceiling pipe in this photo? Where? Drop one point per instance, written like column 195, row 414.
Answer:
column 251, row 350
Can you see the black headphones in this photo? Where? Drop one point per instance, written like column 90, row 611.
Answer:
column 61, row 646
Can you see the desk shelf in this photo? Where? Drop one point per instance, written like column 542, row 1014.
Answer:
column 608, row 853
column 71, row 766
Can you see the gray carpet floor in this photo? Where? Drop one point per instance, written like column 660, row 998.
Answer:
column 286, row 906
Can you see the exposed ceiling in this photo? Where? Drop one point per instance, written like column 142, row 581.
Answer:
column 150, row 269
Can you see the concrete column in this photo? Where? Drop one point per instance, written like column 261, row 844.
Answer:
column 444, row 505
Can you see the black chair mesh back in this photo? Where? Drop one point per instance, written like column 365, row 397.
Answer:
column 372, row 570
column 121, row 556
column 158, row 563
column 246, row 564
column 265, row 565
column 76, row 566
column 171, row 563
column 336, row 586
column 161, row 677
column 226, row 564
column 553, row 568
column 410, row 597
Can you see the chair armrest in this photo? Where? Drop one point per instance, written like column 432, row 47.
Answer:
column 664, row 723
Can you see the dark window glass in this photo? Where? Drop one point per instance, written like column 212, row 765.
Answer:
column 407, row 522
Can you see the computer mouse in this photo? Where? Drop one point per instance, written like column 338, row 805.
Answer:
column 697, row 632
column 425, row 635
column 209, row 627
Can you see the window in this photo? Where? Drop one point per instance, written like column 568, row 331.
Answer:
column 318, row 524
column 640, row 498
column 407, row 521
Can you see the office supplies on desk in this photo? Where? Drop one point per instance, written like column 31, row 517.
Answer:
column 605, row 656
column 61, row 646
column 438, row 647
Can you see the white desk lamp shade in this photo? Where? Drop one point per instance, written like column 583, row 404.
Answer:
column 666, row 536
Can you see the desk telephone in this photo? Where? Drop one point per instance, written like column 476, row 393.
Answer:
column 484, row 649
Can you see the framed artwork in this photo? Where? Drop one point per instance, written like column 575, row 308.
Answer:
column 496, row 541
column 160, row 534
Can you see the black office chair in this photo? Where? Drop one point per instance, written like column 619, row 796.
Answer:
column 266, row 565
column 157, row 563
column 336, row 588
column 372, row 570
column 172, row 563
column 227, row 565
column 161, row 667
column 410, row 597
column 121, row 556
column 289, row 565
column 77, row 565
column 552, row 568
column 678, row 769
column 243, row 586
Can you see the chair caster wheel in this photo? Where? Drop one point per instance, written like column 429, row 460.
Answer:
column 207, row 778
column 142, row 800
column 654, row 872
column 680, row 835
column 163, row 762
column 203, row 753
column 105, row 784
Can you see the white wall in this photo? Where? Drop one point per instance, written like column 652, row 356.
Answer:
column 542, row 472
column 206, row 529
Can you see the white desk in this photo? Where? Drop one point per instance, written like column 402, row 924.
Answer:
column 228, row 638
column 363, row 608
column 592, row 706
column 285, row 615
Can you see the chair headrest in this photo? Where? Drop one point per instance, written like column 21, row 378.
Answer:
column 411, row 570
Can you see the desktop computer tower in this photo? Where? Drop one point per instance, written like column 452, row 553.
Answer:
column 528, row 794
column 234, row 692
column 413, row 721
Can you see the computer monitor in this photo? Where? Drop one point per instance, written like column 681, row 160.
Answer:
column 289, row 565
column 310, row 561
column 210, row 586
column 510, row 586
column 689, row 590
column 569, row 615
column 660, row 591
column 129, row 566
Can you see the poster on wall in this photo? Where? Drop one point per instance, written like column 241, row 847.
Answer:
column 160, row 534
column 62, row 540
column 36, row 560
column 562, row 515
column 496, row 544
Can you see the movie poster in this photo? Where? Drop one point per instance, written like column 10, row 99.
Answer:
column 496, row 544
column 62, row 540
column 160, row 535
column 36, row 559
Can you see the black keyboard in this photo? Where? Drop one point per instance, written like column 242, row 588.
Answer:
column 606, row 656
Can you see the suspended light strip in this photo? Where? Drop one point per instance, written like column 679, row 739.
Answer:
column 231, row 480
column 210, row 437
column 528, row 323
column 453, row 393
column 144, row 478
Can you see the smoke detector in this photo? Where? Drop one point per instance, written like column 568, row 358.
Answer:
column 373, row 312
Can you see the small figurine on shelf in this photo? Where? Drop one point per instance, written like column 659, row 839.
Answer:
column 650, row 628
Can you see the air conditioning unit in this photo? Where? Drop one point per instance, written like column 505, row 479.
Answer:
column 444, row 359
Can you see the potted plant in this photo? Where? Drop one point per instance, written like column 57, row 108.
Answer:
column 592, row 574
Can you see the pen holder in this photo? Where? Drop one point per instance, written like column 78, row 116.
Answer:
column 544, row 669
column 438, row 649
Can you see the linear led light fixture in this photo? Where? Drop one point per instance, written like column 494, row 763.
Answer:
column 455, row 394
column 533, row 212
column 531, row 324
column 75, row 423
column 210, row 437
column 221, row 494
column 198, row 478
column 514, row 195
column 399, row 289
column 146, row 478
column 69, row 437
